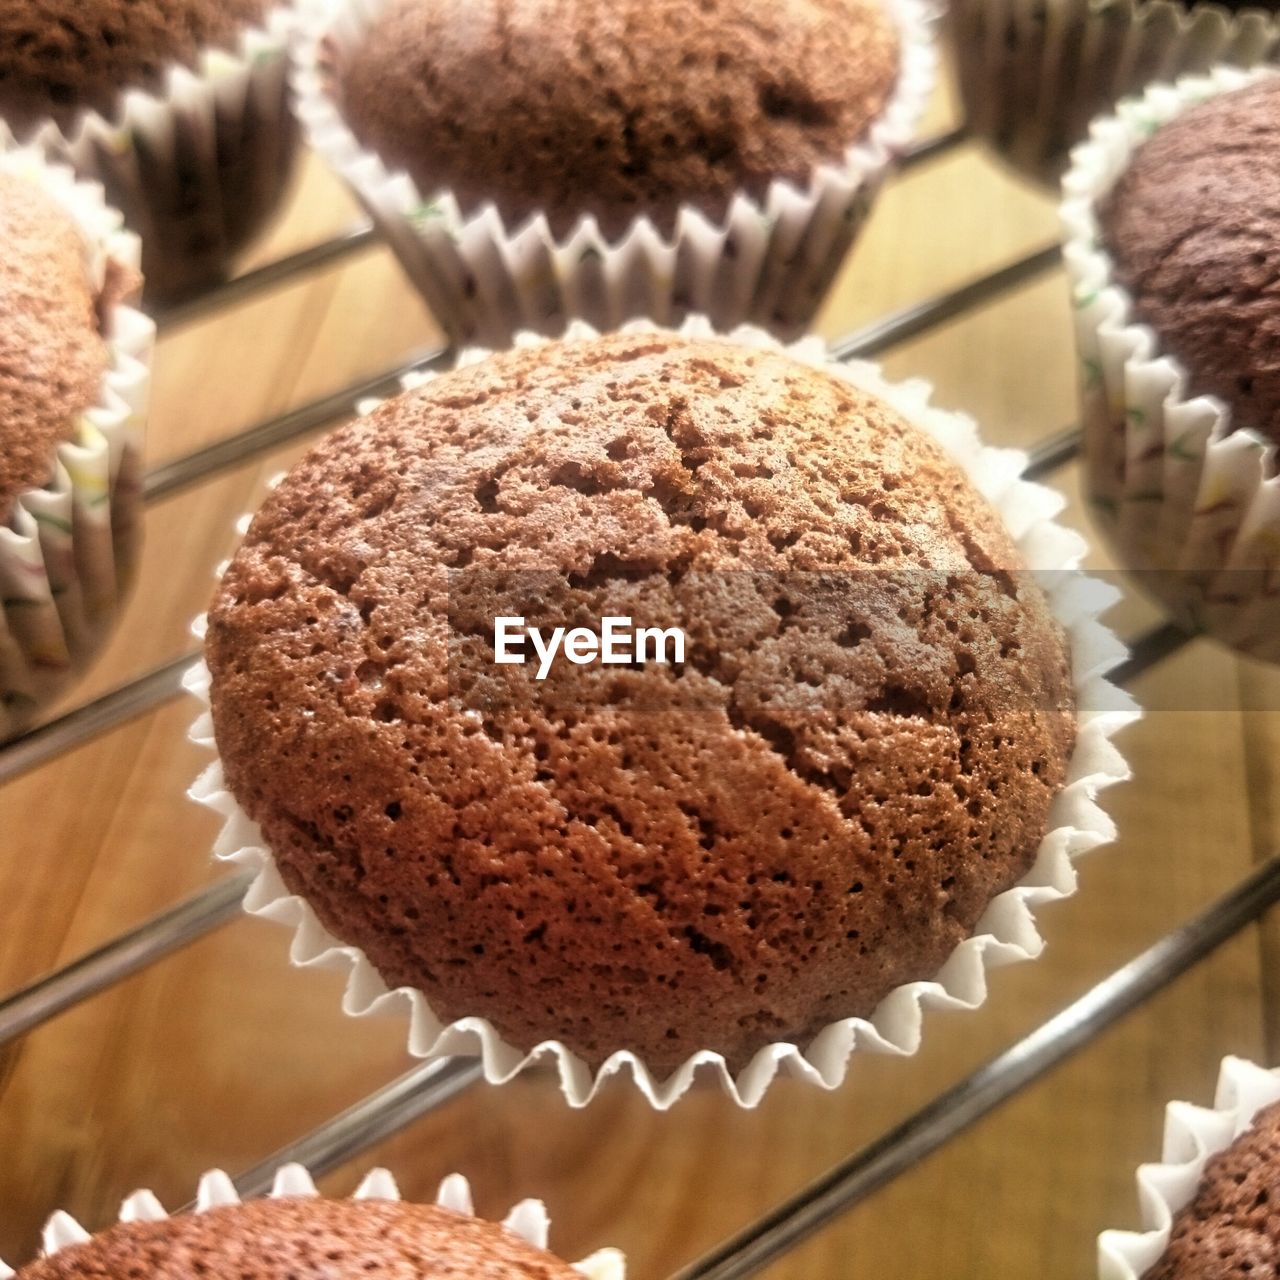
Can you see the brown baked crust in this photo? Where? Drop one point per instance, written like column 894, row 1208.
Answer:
column 58, row 57
column 305, row 1239
column 52, row 356
column 848, row 767
column 1231, row 1229
column 616, row 107
column 1193, row 226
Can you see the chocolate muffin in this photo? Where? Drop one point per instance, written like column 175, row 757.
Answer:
column 58, row 57
column 1033, row 74
column 1193, row 227
column 52, row 354
column 306, row 1239
column 859, row 751
column 1231, row 1229
column 616, row 108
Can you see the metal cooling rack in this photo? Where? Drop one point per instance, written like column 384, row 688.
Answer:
column 431, row 1085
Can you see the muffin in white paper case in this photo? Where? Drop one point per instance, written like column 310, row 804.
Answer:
column 767, row 262
column 199, row 165
column 1034, row 73
column 528, row 1220
column 68, row 549
column 1006, row 931
column 1185, row 500
column 1192, row 1135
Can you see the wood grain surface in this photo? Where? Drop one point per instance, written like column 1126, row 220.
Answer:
column 222, row 1053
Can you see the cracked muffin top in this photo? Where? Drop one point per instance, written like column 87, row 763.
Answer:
column 859, row 751
column 306, row 1238
column 1193, row 227
column 615, row 108
column 52, row 354
column 58, row 57
column 1231, row 1228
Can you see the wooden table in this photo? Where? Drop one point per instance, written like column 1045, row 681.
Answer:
column 222, row 1053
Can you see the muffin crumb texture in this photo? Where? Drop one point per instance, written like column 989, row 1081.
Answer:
column 616, row 107
column 1231, row 1229
column 52, row 355
column 859, row 752
column 58, row 57
column 1193, row 227
column 305, row 1239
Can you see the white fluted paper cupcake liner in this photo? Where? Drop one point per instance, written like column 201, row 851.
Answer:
column 1034, row 73
column 198, row 165
column 1005, row 934
column 67, row 550
column 1186, row 500
column 528, row 1219
column 1191, row 1136
column 768, row 262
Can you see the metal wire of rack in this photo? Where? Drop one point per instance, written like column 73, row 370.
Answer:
column 431, row 1085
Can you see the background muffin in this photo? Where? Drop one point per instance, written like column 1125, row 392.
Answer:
column 860, row 754
column 532, row 163
column 616, row 110
column 1171, row 248
column 1209, row 1208
column 1230, row 1227
column 176, row 106
column 61, row 57
column 1034, row 73
column 52, row 353
column 299, row 1238
column 73, row 387
column 1193, row 230
column 294, row 1234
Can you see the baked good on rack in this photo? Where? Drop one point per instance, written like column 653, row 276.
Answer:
column 306, row 1238
column 179, row 108
column 1193, row 228
column 616, row 108
column 1231, row 1228
column 860, row 750
column 52, row 354
column 1033, row 74
column 58, row 57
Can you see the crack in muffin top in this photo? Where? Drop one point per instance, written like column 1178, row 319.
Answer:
column 860, row 751
column 615, row 108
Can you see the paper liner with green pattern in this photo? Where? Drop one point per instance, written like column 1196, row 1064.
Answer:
column 528, row 1220
column 67, row 550
column 1034, row 73
column 1184, row 499
column 199, row 165
column 768, row 262
column 1191, row 1136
